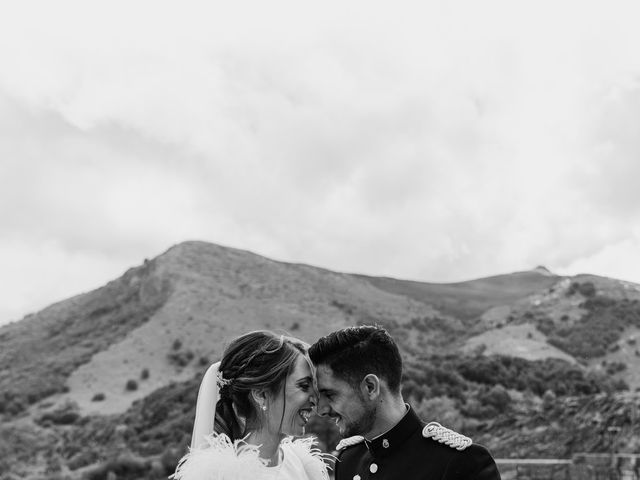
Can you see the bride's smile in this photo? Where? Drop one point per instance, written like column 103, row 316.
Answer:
column 292, row 410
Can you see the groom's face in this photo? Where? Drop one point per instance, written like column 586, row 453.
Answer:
column 343, row 403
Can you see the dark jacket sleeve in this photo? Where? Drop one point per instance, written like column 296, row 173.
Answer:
column 473, row 463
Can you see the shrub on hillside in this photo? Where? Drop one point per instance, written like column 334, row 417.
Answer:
column 180, row 358
column 98, row 397
column 496, row 397
column 599, row 302
column 473, row 407
column 12, row 404
column 81, row 459
column 346, row 308
column 615, row 367
column 545, row 325
column 144, row 374
column 124, row 466
column 548, row 400
column 586, row 289
column 131, row 385
column 67, row 414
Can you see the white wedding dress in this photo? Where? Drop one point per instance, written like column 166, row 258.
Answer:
column 213, row 456
column 223, row 459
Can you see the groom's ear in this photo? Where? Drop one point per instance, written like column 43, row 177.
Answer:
column 370, row 386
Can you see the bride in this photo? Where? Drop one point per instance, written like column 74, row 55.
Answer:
column 249, row 406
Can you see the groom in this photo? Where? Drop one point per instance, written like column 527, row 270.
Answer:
column 358, row 375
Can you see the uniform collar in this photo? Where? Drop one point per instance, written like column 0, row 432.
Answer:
column 393, row 439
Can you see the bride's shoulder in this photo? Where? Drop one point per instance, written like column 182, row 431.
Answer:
column 309, row 444
column 304, row 447
column 220, row 457
column 306, row 450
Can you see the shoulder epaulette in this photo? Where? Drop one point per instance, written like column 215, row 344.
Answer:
column 443, row 435
column 349, row 441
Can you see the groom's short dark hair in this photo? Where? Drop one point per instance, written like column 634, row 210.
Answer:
column 354, row 352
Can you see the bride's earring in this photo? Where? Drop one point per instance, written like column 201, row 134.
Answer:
column 263, row 407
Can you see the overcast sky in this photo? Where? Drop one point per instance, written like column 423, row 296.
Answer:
column 436, row 141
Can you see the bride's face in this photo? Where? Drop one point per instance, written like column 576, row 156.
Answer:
column 292, row 407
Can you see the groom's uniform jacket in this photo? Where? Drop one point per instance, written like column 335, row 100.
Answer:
column 405, row 452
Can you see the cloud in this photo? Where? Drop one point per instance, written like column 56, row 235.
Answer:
column 435, row 142
column 89, row 187
column 616, row 260
column 38, row 273
column 613, row 147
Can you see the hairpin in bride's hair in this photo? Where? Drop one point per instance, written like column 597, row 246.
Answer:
column 221, row 381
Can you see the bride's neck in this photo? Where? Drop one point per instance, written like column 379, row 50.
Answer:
column 268, row 445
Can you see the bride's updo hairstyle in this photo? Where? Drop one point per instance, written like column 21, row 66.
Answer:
column 255, row 360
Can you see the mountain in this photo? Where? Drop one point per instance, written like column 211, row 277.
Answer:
column 106, row 381
column 177, row 309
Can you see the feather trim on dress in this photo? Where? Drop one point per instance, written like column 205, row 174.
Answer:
column 221, row 459
column 312, row 458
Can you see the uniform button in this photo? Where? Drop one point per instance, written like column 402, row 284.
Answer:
column 373, row 468
column 385, row 443
column 356, row 477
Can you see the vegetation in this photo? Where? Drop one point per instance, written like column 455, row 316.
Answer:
column 131, row 385
column 461, row 378
column 597, row 331
column 180, row 358
column 586, row 289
